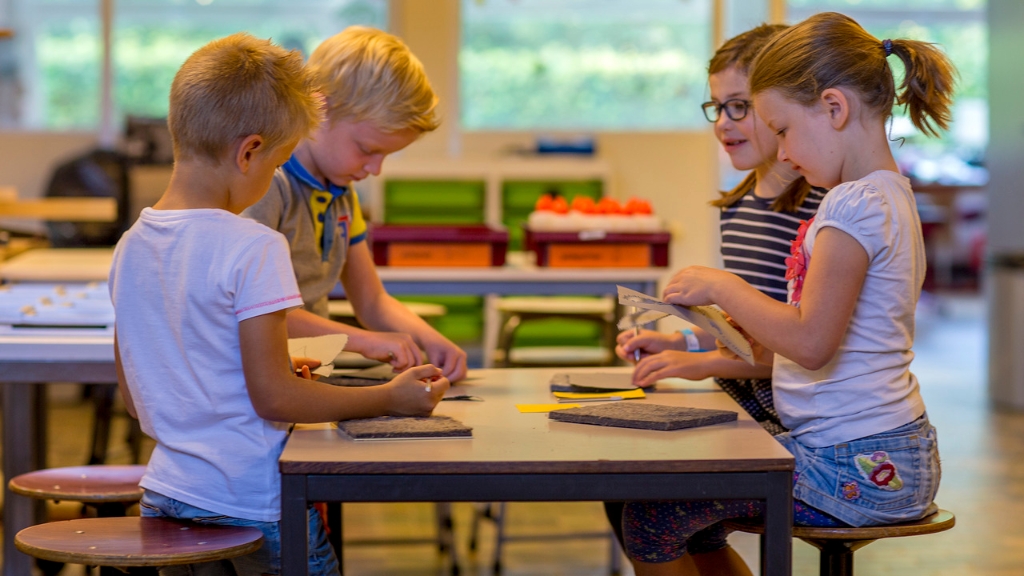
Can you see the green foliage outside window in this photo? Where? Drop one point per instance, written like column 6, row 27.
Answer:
column 583, row 64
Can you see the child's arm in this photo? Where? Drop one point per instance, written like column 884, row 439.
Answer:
column 378, row 310
column 399, row 350
column 694, row 366
column 809, row 335
column 278, row 395
column 122, row 383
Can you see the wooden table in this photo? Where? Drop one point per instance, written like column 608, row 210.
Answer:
column 526, row 457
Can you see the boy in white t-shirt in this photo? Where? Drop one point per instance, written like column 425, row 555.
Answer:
column 201, row 296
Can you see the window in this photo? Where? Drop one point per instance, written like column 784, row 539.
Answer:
column 959, row 28
column 583, row 64
column 53, row 65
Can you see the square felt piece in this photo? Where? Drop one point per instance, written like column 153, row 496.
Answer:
column 411, row 427
column 643, row 416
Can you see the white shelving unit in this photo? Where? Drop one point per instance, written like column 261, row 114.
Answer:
column 492, row 172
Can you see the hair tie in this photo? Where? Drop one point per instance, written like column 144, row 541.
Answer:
column 887, row 44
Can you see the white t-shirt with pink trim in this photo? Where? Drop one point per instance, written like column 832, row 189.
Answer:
column 867, row 388
column 181, row 282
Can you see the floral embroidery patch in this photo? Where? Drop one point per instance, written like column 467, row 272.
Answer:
column 796, row 264
column 879, row 470
column 851, row 490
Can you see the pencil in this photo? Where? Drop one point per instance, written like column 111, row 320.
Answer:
column 636, row 332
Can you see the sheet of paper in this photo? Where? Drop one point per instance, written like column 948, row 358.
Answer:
column 625, row 395
column 535, row 408
column 322, row 348
column 708, row 318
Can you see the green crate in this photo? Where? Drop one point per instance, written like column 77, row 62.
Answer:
column 520, row 196
column 434, row 202
column 463, row 322
column 557, row 332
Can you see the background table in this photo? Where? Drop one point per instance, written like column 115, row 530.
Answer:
column 526, row 457
column 25, row 362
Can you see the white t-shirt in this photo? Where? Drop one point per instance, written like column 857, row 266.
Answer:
column 867, row 388
column 181, row 282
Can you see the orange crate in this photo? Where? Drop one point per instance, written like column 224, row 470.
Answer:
column 438, row 246
column 599, row 250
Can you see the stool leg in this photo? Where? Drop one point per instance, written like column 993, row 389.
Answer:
column 836, row 555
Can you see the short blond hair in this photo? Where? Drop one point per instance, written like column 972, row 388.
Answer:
column 371, row 76
column 238, row 86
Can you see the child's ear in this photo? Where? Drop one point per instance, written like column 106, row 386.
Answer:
column 837, row 106
column 246, row 151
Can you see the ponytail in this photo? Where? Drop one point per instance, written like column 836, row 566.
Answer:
column 927, row 88
column 830, row 50
column 790, row 199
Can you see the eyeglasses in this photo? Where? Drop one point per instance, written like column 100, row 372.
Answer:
column 736, row 109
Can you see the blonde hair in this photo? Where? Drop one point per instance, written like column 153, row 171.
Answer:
column 369, row 75
column 830, row 50
column 739, row 52
column 235, row 87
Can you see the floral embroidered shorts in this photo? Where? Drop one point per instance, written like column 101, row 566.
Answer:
column 881, row 479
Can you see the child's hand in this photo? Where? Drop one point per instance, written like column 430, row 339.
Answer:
column 647, row 342
column 416, row 391
column 695, row 286
column 671, row 364
column 304, row 365
column 397, row 349
column 443, row 353
column 761, row 354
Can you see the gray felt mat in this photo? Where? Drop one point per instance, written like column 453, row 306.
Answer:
column 644, row 416
column 387, row 427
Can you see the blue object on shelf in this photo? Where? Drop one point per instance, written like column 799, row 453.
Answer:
column 583, row 146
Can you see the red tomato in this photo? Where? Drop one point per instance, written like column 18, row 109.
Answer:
column 560, row 206
column 584, row 204
column 609, row 206
column 544, row 203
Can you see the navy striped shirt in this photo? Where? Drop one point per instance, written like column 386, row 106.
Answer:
column 756, row 239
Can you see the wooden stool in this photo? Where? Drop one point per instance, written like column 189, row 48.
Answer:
column 837, row 545
column 110, row 489
column 134, row 541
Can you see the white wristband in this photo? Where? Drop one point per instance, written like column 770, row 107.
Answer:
column 692, row 343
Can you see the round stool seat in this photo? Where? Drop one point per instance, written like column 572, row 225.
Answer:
column 135, row 541
column 939, row 521
column 88, row 484
column 556, row 306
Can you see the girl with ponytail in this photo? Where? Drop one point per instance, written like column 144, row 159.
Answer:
column 840, row 347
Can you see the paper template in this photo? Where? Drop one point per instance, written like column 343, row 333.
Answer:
column 322, row 348
column 537, row 408
column 708, row 318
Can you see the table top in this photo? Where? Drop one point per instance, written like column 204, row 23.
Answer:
column 506, row 441
column 59, row 265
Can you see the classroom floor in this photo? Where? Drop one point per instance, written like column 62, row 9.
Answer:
column 983, row 484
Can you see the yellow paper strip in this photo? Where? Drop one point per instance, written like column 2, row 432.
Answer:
column 533, row 408
column 627, row 394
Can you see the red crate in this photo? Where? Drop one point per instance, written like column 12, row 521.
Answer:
column 596, row 249
column 438, row 246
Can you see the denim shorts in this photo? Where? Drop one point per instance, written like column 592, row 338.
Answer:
column 881, row 479
column 266, row 560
